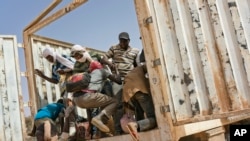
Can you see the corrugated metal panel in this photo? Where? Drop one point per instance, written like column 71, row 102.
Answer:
column 10, row 91
column 204, row 60
column 204, row 51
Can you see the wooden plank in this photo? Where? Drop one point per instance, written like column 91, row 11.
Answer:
column 2, row 90
column 243, row 7
column 64, row 45
column 55, row 16
column 216, row 134
column 158, row 83
column 43, row 14
column 179, row 92
column 212, row 117
column 9, row 48
column 48, row 72
column 152, row 135
column 47, row 40
column 38, row 64
column 193, row 128
column 234, row 53
column 30, row 74
column 19, row 88
column 195, row 63
column 209, row 43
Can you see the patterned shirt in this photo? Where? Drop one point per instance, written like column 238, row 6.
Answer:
column 124, row 59
column 56, row 66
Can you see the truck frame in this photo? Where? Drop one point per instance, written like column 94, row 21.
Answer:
column 198, row 60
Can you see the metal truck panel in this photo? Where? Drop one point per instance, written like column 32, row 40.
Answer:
column 11, row 109
column 205, row 55
column 198, row 50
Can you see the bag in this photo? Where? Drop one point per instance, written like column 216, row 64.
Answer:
column 126, row 118
column 78, row 82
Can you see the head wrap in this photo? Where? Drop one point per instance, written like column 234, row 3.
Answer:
column 82, row 50
column 85, row 57
column 58, row 57
column 47, row 52
column 77, row 49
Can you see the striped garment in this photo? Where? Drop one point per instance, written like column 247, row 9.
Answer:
column 124, row 59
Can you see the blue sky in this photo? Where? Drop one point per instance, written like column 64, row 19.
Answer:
column 95, row 24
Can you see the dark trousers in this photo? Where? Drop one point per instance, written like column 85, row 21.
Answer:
column 144, row 104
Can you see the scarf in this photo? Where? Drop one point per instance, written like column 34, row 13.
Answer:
column 80, row 49
column 58, row 57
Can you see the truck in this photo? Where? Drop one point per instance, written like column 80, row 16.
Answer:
column 198, row 62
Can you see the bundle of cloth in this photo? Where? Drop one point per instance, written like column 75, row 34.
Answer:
column 80, row 81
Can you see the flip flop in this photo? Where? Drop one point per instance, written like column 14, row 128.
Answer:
column 134, row 134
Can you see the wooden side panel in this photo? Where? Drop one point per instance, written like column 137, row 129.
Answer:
column 11, row 108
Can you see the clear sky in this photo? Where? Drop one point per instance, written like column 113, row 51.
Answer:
column 95, row 24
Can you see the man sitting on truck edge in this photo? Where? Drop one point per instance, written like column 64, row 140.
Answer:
column 137, row 90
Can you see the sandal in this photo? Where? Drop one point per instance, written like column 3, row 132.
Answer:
column 132, row 128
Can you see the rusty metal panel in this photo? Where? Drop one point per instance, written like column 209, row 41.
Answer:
column 10, row 91
column 204, row 53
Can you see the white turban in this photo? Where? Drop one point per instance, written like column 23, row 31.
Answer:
column 76, row 48
column 58, row 57
column 47, row 52
column 79, row 48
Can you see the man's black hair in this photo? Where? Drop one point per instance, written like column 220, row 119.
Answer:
column 60, row 101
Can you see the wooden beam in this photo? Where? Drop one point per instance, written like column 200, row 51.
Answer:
column 30, row 74
column 216, row 134
column 193, row 128
column 70, row 7
column 158, row 84
column 211, row 117
column 43, row 14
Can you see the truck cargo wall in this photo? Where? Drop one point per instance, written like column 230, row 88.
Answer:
column 204, row 51
column 12, row 123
